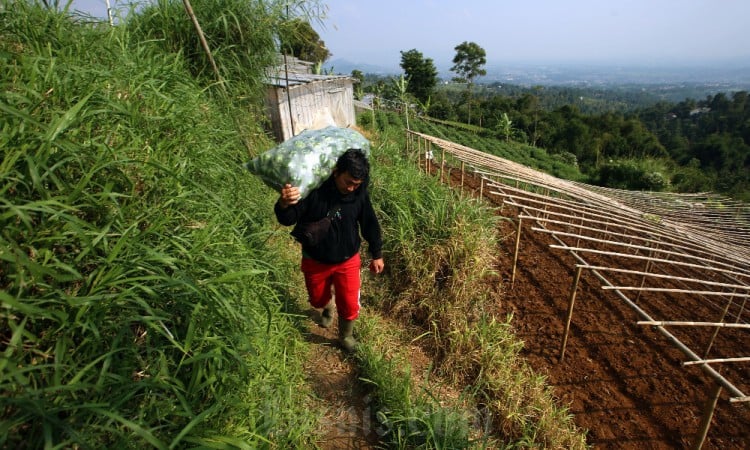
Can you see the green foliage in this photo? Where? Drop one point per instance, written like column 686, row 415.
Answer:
column 241, row 35
column 421, row 73
column 469, row 61
column 140, row 303
column 505, row 127
column 406, row 416
column 440, row 258
column 713, row 132
column 469, row 64
column 690, row 178
column 300, row 39
column 637, row 175
column 563, row 165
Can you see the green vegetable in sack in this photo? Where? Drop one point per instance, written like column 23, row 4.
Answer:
column 306, row 160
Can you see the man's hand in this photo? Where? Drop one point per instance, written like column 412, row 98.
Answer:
column 377, row 265
column 289, row 195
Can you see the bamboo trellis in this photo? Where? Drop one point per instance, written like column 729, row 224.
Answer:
column 698, row 243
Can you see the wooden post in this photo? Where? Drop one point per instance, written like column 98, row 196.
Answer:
column 716, row 331
column 442, row 164
column 742, row 309
column 463, row 170
column 643, row 277
column 289, row 97
column 571, row 302
column 428, row 161
column 708, row 414
column 204, row 44
column 515, row 252
column 109, row 15
column 419, row 153
column 649, row 265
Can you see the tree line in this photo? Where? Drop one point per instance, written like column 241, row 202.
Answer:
column 687, row 146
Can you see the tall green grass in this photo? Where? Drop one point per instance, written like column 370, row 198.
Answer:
column 440, row 252
column 141, row 305
column 408, row 415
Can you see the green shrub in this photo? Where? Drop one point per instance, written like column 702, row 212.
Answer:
column 632, row 175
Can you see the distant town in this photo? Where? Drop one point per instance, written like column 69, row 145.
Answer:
column 723, row 78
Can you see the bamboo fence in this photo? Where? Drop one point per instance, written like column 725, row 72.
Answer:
column 635, row 244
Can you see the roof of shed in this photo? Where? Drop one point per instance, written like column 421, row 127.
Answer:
column 279, row 79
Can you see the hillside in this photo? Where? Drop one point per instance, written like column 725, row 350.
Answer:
column 150, row 300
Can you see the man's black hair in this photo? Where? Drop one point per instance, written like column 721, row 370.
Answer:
column 355, row 162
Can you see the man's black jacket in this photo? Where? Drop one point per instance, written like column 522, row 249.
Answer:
column 349, row 214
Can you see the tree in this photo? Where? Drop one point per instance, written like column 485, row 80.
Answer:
column 421, row 73
column 401, row 87
column 505, row 127
column 358, row 75
column 359, row 91
column 468, row 64
column 469, row 61
column 299, row 38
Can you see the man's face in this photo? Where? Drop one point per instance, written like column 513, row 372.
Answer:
column 345, row 183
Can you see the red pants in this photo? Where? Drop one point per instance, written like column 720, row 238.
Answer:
column 344, row 277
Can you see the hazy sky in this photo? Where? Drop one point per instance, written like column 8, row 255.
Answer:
column 620, row 31
column 649, row 32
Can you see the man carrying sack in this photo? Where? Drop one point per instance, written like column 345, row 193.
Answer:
column 327, row 222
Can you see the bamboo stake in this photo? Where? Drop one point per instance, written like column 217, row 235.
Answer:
column 665, row 277
column 708, row 414
column 515, row 253
column 718, row 360
column 580, row 226
column 289, row 95
column 419, row 153
column 442, row 164
column 204, row 44
column 675, row 291
column 625, row 255
column 646, row 269
column 662, row 323
column 463, row 173
column 716, row 331
column 741, row 310
column 109, row 15
column 428, row 156
column 571, row 302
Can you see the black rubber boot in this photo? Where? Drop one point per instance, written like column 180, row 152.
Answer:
column 345, row 335
column 326, row 316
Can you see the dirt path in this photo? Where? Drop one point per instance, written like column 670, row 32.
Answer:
column 335, row 380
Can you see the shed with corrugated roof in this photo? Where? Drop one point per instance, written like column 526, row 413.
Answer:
column 298, row 101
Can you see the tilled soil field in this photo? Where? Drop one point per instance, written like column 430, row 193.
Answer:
column 623, row 382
